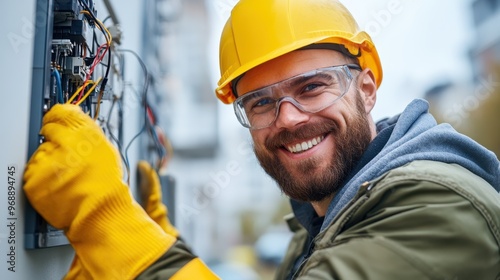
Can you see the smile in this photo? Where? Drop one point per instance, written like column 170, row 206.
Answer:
column 306, row 145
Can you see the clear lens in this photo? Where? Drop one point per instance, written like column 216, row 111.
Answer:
column 311, row 92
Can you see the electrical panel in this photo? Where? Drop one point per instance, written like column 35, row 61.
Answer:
column 72, row 64
column 78, row 60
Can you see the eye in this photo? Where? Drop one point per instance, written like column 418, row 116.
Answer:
column 312, row 87
column 262, row 102
column 260, row 106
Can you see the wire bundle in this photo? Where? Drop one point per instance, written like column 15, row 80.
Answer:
column 102, row 50
column 150, row 124
column 162, row 144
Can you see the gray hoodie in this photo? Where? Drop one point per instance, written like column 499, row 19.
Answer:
column 417, row 136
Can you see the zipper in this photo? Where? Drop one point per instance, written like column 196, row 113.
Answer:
column 310, row 249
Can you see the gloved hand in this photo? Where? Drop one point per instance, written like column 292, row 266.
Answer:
column 150, row 197
column 74, row 180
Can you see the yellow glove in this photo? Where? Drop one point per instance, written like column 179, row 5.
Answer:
column 74, row 180
column 150, row 197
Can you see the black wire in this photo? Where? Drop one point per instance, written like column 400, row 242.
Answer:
column 94, row 18
column 105, row 80
column 121, row 63
column 94, row 43
column 108, row 40
column 105, row 19
column 109, row 63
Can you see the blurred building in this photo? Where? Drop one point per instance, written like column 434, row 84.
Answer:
column 471, row 106
column 223, row 199
column 485, row 54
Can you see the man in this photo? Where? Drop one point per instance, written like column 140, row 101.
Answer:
column 401, row 199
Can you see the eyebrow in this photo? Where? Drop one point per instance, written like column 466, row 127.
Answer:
column 295, row 81
column 255, row 94
column 303, row 79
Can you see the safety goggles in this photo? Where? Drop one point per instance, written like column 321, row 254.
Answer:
column 310, row 92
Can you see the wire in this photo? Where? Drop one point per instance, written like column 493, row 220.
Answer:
column 97, row 60
column 144, row 69
column 151, row 114
column 168, row 149
column 163, row 147
column 109, row 39
column 113, row 137
column 57, row 76
column 144, row 101
column 160, row 149
column 99, row 24
column 85, row 47
column 98, row 105
column 78, row 90
column 79, row 101
column 103, row 85
column 106, row 19
column 105, row 31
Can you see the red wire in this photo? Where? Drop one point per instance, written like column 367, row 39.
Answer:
column 150, row 115
column 97, row 60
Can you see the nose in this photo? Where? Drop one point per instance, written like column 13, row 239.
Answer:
column 289, row 115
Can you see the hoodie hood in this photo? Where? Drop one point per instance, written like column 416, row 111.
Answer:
column 417, row 136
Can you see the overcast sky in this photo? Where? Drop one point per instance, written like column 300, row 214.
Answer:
column 420, row 43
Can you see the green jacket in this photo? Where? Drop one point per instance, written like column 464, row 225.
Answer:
column 424, row 220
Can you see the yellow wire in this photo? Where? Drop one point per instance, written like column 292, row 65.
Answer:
column 107, row 31
column 85, row 12
column 78, row 90
column 88, row 92
column 98, row 105
column 108, row 40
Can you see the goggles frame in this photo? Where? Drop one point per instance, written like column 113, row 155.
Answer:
column 343, row 71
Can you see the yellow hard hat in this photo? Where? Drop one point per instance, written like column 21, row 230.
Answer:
column 260, row 30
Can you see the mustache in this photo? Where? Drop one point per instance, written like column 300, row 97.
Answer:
column 306, row 131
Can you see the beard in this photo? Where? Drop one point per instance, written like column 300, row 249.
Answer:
column 313, row 185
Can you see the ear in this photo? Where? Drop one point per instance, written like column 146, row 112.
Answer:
column 367, row 89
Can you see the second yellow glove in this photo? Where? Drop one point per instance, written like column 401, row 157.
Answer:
column 150, row 197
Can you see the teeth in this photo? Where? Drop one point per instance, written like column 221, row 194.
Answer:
column 306, row 145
